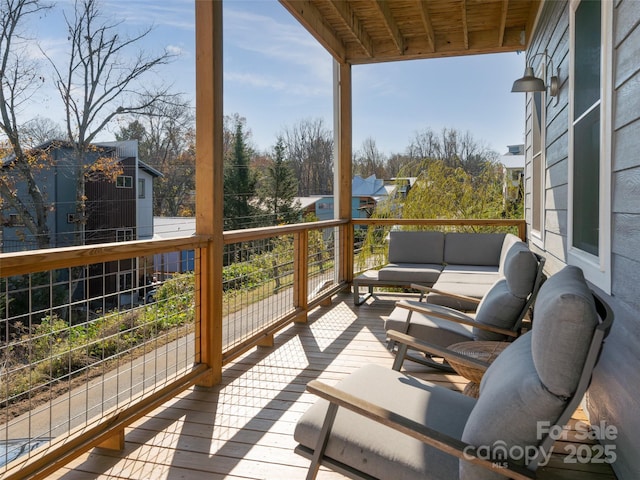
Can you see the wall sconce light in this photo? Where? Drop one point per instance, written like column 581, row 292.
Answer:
column 530, row 83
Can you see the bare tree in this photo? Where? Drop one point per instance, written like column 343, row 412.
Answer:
column 99, row 83
column 309, row 147
column 454, row 147
column 165, row 132
column 40, row 130
column 369, row 160
column 19, row 78
column 425, row 144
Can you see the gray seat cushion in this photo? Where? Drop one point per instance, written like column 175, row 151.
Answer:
column 378, row 450
column 470, row 274
column 431, row 329
column 473, row 248
column 410, row 272
column 469, row 280
column 475, row 290
column 416, row 247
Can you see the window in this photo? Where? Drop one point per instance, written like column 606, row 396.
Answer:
column 589, row 141
column 538, row 100
column 15, row 220
column 124, row 235
column 141, row 185
column 124, row 181
column 125, row 281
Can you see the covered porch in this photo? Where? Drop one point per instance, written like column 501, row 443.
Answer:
column 242, row 428
column 228, row 408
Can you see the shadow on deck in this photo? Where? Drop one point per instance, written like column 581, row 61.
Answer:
column 243, row 428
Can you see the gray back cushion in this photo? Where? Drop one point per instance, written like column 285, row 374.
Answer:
column 512, row 399
column 416, row 247
column 500, row 308
column 564, row 320
column 473, row 248
column 509, row 240
column 520, row 269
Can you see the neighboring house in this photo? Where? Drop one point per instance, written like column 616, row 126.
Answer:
column 56, row 180
column 173, row 262
column 365, row 195
column 513, row 163
column 115, row 211
column 144, row 176
column 582, row 185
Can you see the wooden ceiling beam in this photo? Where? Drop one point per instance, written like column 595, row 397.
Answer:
column 426, row 22
column 533, row 17
column 503, row 22
column 465, row 26
column 391, row 25
column 309, row 17
column 352, row 22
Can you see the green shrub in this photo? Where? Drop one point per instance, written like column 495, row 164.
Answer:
column 244, row 275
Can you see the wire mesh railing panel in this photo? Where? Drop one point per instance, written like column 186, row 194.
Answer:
column 80, row 341
column 257, row 286
column 321, row 260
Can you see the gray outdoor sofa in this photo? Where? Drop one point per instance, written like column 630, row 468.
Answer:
column 465, row 264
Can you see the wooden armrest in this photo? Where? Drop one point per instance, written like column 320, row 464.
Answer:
column 415, row 430
column 435, row 309
column 426, row 347
column 425, row 289
column 453, row 316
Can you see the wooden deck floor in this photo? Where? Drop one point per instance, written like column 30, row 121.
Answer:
column 243, row 428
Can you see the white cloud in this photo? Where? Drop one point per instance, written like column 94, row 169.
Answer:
column 176, row 50
column 284, row 42
column 269, row 82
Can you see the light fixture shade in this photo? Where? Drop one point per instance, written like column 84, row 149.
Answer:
column 529, row 83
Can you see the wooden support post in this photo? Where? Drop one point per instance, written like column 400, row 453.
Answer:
column 114, row 442
column 266, row 341
column 522, row 231
column 209, row 186
column 342, row 103
column 326, row 302
column 301, row 274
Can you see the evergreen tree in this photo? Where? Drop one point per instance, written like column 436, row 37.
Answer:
column 278, row 187
column 239, row 184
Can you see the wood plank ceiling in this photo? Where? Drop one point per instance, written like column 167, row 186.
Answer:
column 372, row 31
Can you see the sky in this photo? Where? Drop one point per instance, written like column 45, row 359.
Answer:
column 276, row 75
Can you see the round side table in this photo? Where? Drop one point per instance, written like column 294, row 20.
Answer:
column 480, row 350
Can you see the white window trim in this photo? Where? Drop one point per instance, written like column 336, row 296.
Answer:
column 142, row 188
column 124, row 181
column 537, row 236
column 597, row 269
column 124, row 232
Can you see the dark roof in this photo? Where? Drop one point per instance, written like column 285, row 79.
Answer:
column 149, row 169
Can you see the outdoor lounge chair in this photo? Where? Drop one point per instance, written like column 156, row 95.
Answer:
column 498, row 318
column 380, row 423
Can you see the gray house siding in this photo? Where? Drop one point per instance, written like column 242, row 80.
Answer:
column 614, row 394
column 58, row 187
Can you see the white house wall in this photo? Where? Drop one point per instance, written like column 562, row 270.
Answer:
column 144, row 209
